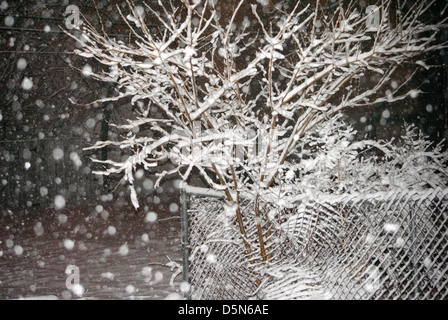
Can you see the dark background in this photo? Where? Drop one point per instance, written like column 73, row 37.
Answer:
column 33, row 123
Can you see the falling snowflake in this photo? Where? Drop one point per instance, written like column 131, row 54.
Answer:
column 151, row 217
column 27, row 83
column 58, row 154
column 9, row 21
column 21, row 64
column 59, row 202
column 69, row 244
column 124, row 250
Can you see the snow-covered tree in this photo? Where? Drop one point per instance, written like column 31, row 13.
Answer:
column 256, row 106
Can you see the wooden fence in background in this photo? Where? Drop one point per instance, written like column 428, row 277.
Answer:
column 33, row 172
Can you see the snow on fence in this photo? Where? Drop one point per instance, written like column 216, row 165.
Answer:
column 34, row 172
column 380, row 246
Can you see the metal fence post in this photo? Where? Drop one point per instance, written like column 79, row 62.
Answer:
column 414, row 254
column 185, row 240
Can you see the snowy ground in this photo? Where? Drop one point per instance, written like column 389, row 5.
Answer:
column 120, row 255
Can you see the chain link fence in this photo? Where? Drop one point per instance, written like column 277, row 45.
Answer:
column 380, row 246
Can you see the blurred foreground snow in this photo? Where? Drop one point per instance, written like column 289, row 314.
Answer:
column 36, row 249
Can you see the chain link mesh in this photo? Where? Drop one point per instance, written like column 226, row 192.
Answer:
column 380, row 246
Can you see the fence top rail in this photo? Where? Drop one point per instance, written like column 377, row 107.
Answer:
column 198, row 191
column 430, row 194
column 395, row 194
